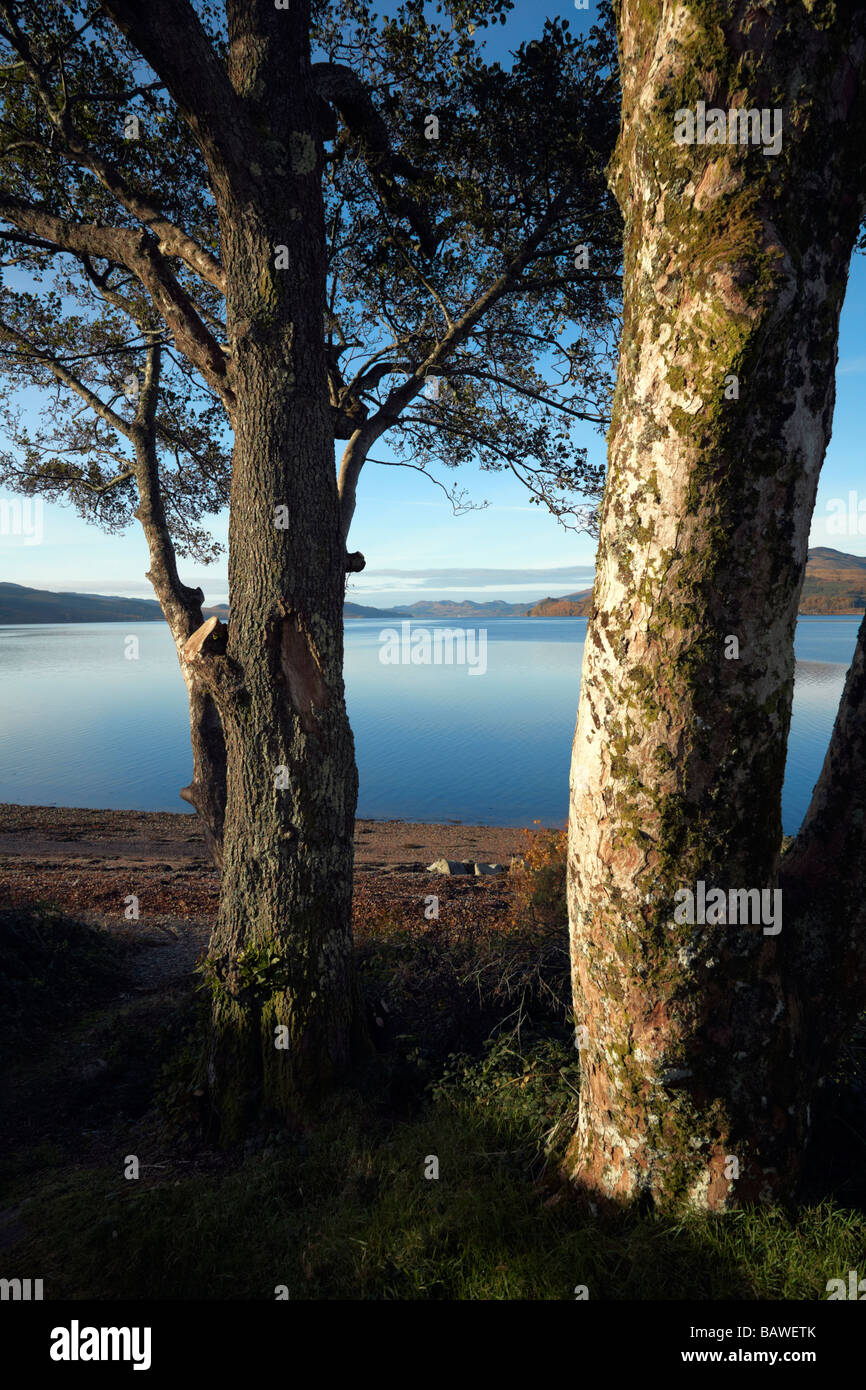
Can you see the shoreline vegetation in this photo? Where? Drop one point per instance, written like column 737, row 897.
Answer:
column 834, row 587
column 475, row 1068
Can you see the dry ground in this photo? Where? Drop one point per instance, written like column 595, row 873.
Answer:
column 90, row 862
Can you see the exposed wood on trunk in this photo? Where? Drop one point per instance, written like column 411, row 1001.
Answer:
column 212, row 632
column 302, row 674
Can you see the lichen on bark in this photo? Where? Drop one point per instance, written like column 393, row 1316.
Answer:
column 695, row 1031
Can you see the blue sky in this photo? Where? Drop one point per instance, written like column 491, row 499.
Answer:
column 413, row 544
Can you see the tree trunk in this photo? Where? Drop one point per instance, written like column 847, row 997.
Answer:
column 286, row 1012
column 182, row 610
column 207, row 790
column 697, row 1071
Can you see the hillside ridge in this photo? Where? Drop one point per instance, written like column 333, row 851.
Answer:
column 835, row 584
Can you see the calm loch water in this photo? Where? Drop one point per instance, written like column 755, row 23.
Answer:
column 81, row 724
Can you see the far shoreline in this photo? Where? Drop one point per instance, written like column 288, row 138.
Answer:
column 449, row 618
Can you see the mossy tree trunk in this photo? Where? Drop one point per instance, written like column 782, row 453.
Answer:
column 701, row 1053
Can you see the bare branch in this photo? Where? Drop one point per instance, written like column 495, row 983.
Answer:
column 343, row 88
column 172, row 40
column 400, row 396
column 458, row 507
column 137, row 250
column 64, row 376
column 171, row 239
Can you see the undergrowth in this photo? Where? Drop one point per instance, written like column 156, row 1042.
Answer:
column 434, row 1175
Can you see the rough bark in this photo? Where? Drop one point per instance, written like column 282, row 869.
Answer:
column 697, row 1072
column 281, row 954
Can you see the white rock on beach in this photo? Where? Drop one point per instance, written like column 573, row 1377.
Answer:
column 464, row 866
column 450, row 866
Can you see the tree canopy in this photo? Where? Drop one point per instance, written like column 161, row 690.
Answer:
column 473, row 256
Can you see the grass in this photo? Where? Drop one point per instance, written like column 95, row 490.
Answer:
column 347, row 1213
column 478, row 1071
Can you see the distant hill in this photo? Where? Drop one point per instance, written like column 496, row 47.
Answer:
column 21, row 605
column 466, row 608
column 835, row 583
column 18, row 604
column 570, row 606
column 359, row 610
